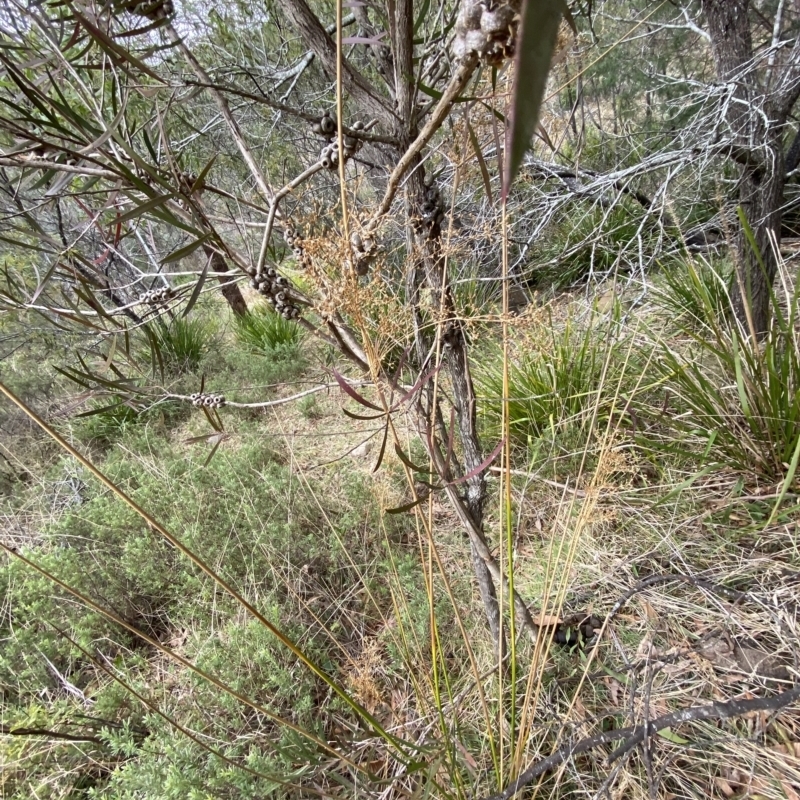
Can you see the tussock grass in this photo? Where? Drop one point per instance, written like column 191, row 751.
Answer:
column 182, row 343
column 265, row 331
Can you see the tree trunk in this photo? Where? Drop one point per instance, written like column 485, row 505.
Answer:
column 761, row 198
column 425, row 254
column 755, row 127
column 228, row 286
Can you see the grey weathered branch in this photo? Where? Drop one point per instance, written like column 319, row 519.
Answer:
column 222, row 104
column 634, row 735
column 308, row 116
column 457, row 84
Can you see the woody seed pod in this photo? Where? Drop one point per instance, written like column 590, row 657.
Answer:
column 469, row 18
column 327, row 123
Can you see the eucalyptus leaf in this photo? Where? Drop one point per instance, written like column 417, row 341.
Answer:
column 535, row 45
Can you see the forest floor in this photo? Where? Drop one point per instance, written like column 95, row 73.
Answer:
column 687, row 560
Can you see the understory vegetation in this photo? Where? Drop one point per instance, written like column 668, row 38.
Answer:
column 394, row 478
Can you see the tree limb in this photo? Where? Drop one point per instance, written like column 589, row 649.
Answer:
column 636, row 734
column 317, row 39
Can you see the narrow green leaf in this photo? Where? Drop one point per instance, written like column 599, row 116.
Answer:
column 187, row 250
column 535, row 44
column 437, row 95
column 101, row 410
column 383, row 448
column 407, row 506
column 667, row 733
column 197, row 289
column 143, row 208
column 421, row 15
column 119, row 54
column 737, row 365
column 211, row 454
column 408, row 462
column 201, row 178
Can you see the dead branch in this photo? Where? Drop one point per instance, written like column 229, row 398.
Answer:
column 634, row 735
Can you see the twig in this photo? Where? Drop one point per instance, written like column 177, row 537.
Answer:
column 636, row 734
column 7, row 730
column 222, row 104
column 273, row 210
column 280, row 401
column 555, row 484
column 652, row 580
column 308, row 116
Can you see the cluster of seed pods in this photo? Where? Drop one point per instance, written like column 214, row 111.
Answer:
column 295, row 241
column 431, row 210
column 156, row 297
column 488, row 28
column 329, row 155
column 273, row 288
column 208, row 400
column 452, row 333
column 153, row 9
column 364, row 252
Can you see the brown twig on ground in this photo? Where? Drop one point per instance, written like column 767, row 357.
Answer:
column 634, row 735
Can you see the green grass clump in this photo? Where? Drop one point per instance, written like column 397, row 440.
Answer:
column 265, row 331
column 697, row 294
column 554, row 385
column 737, row 399
column 181, row 344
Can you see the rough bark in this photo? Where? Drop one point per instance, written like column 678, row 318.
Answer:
column 318, row 40
column 430, row 250
column 228, row 286
column 756, row 117
column 793, row 154
column 425, row 254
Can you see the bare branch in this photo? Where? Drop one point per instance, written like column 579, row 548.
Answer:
column 634, row 735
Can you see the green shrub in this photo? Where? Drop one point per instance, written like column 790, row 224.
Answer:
column 265, row 331
column 109, row 420
column 243, row 514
